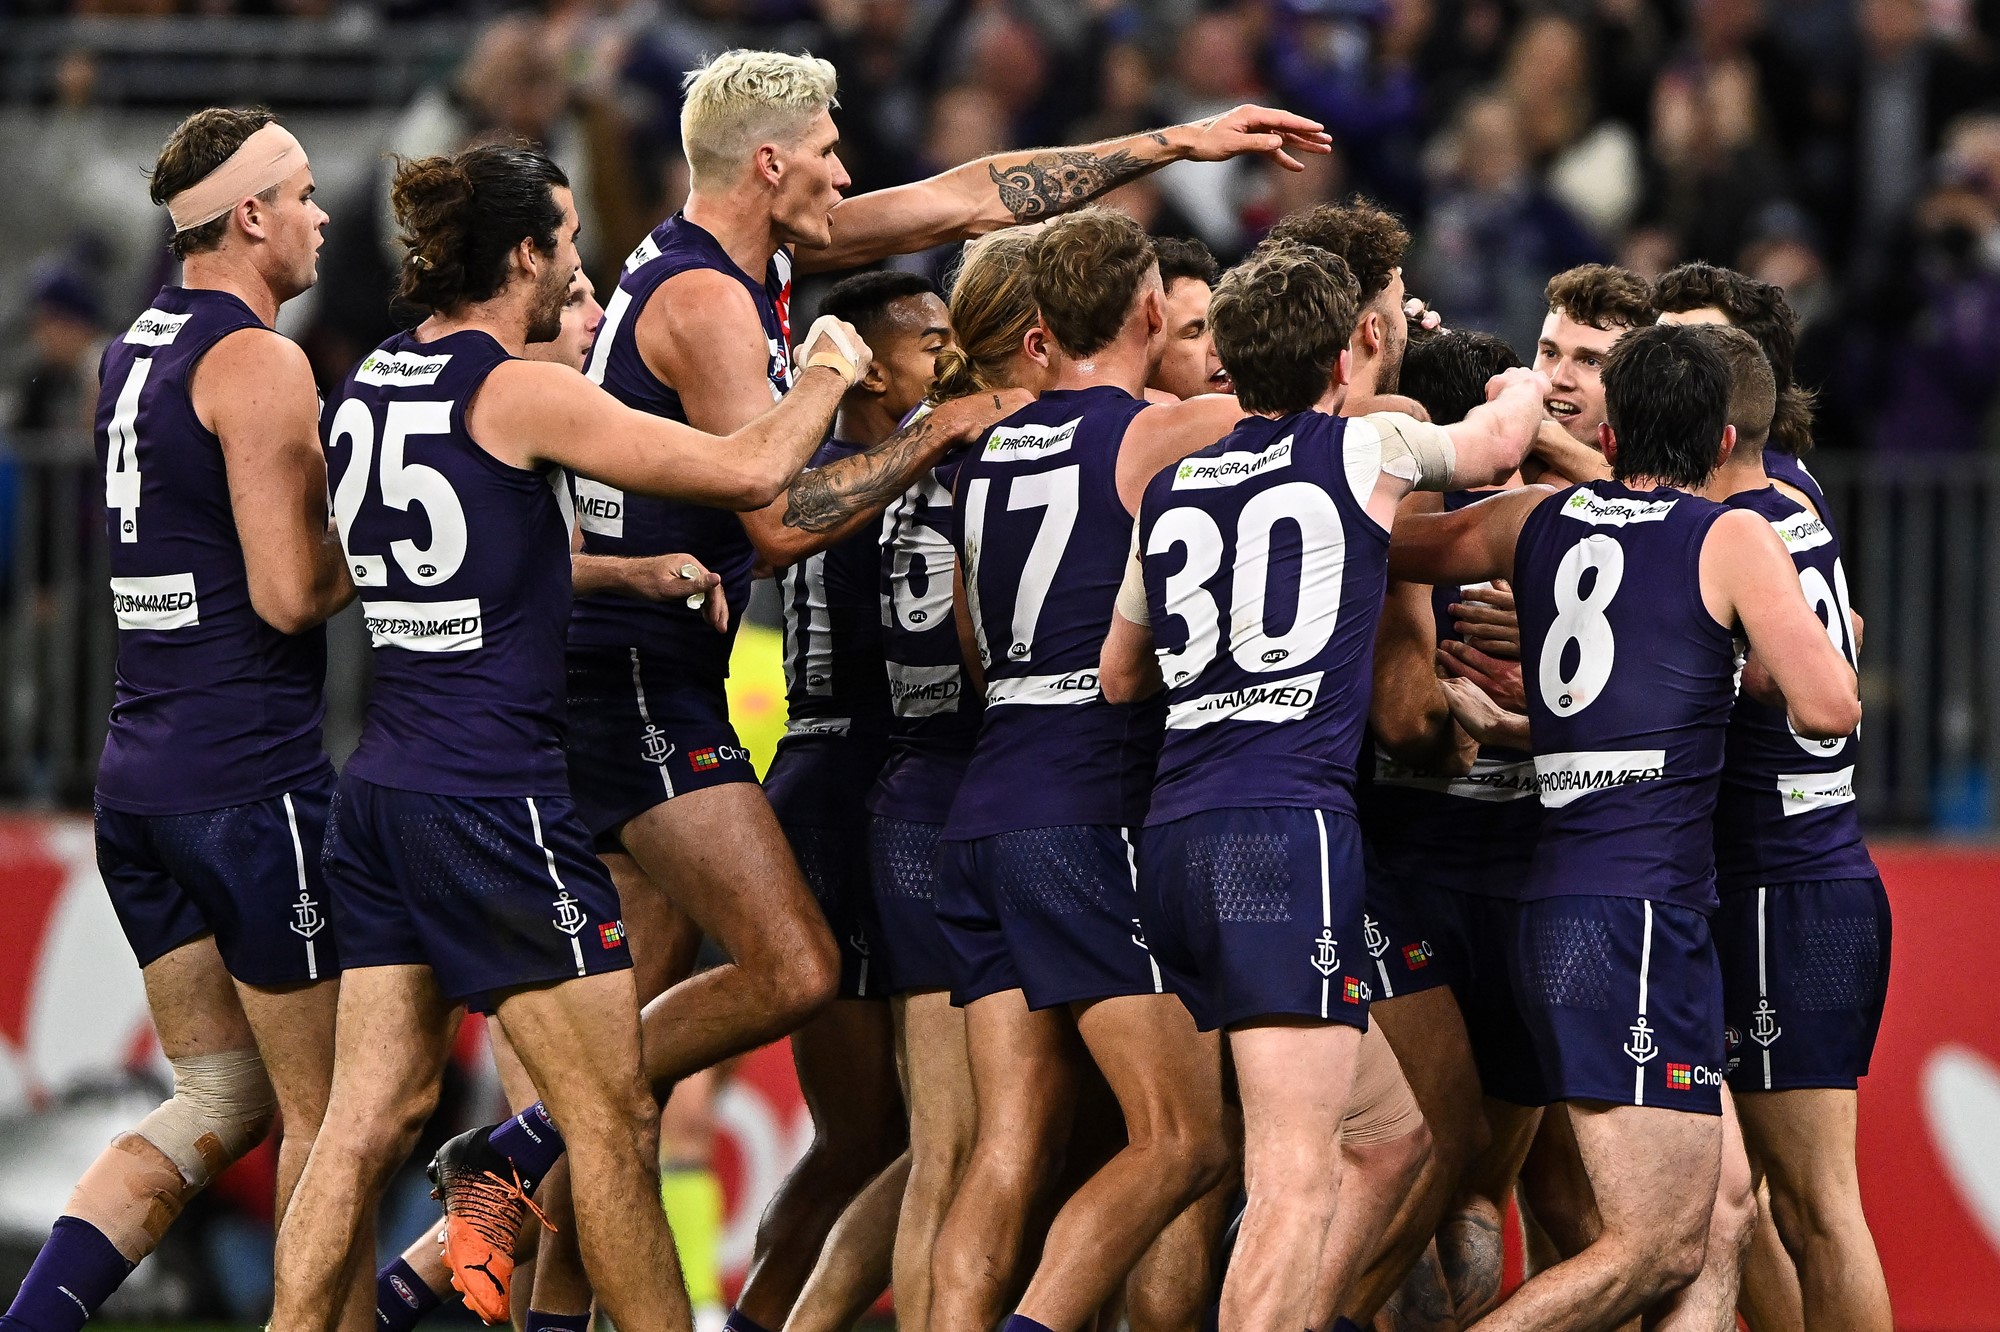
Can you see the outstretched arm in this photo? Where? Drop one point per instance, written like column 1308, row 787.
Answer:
column 1011, row 188
column 1474, row 544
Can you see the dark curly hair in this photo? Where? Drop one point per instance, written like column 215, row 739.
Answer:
column 1761, row 310
column 1366, row 236
column 1447, row 370
column 460, row 217
column 1089, row 267
column 1185, row 259
column 1281, row 320
column 198, row 145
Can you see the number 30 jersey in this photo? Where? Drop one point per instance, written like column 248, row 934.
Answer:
column 1629, row 682
column 462, row 563
column 1043, row 539
column 1264, row 581
column 213, row 706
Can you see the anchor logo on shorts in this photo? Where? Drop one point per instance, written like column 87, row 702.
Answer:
column 569, row 916
column 306, row 920
column 1641, row 1046
column 653, row 746
column 859, row 942
column 1764, row 1028
column 1371, row 933
column 1326, row 954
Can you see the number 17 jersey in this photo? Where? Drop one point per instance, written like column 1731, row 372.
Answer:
column 1629, row 682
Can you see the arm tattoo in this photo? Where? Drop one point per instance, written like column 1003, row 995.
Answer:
column 1470, row 1248
column 826, row 498
column 1421, row 1304
column 1055, row 182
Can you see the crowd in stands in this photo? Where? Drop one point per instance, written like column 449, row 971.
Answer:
column 1846, row 149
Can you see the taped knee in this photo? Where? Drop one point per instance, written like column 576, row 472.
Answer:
column 222, row 1106
column 1381, row 1107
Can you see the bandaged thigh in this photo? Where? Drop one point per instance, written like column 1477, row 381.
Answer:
column 1381, row 1107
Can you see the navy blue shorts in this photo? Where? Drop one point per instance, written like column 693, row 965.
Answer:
column 911, row 948
column 816, row 784
column 1622, row 999
column 1805, row 970
column 248, row 874
column 493, row 893
column 1476, row 931
column 1054, row 911
column 1256, row 913
column 1405, row 955
column 641, row 733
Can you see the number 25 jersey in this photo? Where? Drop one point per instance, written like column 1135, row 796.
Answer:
column 1264, row 580
column 1629, row 682
column 462, row 563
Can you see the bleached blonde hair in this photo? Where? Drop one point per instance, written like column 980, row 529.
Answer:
column 741, row 99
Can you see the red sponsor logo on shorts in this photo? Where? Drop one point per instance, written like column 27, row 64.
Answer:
column 612, row 933
column 1350, row 990
column 1416, row 956
column 1680, row 1077
column 702, row 759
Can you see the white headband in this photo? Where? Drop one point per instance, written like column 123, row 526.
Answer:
column 265, row 159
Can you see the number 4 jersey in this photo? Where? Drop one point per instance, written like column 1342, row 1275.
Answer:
column 462, row 562
column 1264, row 580
column 214, row 707
column 1629, row 682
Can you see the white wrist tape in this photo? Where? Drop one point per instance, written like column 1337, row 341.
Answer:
column 850, row 347
column 1131, row 601
column 1417, row 451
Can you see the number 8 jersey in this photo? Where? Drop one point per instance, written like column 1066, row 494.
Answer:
column 463, row 567
column 1629, row 682
column 1264, row 581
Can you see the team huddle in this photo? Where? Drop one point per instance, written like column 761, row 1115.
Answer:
column 1270, row 779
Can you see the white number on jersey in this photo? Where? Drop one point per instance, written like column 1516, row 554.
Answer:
column 1055, row 493
column 121, row 460
column 402, row 484
column 1581, row 620
column 1252, row 645
column 1830, row 604
column 808, row 626
column 918, row 549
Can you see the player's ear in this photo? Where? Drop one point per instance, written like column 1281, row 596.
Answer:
column 769, row 164
column 1728, row 445
column 1607, row 442
column 1038, row 344
column 253, row 217
column 1156, row 312
column 875, row 379
column 1343, row 367
column 1370, row 331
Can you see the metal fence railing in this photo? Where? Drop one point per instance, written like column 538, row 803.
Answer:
column 1922, row 552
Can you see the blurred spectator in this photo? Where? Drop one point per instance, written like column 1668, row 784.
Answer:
column 1213, row 71
column 1351, row 64
column 1590, row 165
column 1713, row 170
column 1494, row 234
column 58, row 391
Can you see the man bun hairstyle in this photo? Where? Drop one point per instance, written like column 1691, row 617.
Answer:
column 992, row 308
column 1088, row 269
column 863, row 300
column 741, row 99
column 1446, row 369
column 1366, row 236
column 459, row 218
column 1666, row 394
column 1602, row 297
column 1761, row 310
column 1185, row 259
column 1281, row 319
column 198, row 145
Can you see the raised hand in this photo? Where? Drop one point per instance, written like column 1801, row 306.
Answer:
column 1257, row 129
column 834, row 342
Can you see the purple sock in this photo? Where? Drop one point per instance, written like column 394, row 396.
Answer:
column 738, row 1321
column 1023, row 1323
column 74, row 1273
column 401, row 1298
column 531, row 1142
column 537, row 1321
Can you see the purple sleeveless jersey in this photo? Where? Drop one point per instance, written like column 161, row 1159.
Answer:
column 615, row 523
column 463, row 566
column 1264, row 581
column 1781, row 466
column 1787, row 813
column 1474, row 833
column 834, row 683
column 935, row 717
column 213, row 707
column 1043, row 539
column 1629, row 682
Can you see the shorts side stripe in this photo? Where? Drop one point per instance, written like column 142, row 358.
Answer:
column 535, row 821
column 1138, row 935
column 305, row 893
column 1645, row 968
column 1325, row 909
column 1763, row 977
column 646, row 716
